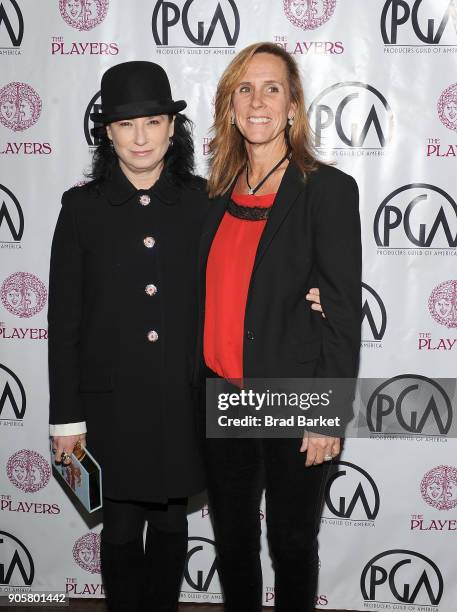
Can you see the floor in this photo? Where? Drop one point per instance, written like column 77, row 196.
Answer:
column 98, row 605
column 79, row 605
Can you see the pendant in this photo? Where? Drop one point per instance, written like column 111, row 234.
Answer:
column 252, row 190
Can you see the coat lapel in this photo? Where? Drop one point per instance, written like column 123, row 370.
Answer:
column 292, row 184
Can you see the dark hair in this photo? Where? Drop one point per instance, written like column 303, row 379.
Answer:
column 178, row 161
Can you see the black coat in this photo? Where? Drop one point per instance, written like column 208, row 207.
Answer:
column 134, row 394
column 312, row 238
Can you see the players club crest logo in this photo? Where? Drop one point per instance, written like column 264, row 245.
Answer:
column 442, row 303
column 86, row 552
column 23, row 294
column 28, row 471
column 20, row 106
column 83, row 15
column 309, row 14
column 439, row 487
column 447, row 107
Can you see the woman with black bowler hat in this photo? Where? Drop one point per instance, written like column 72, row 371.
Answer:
column 122, row 322
column 280, row 222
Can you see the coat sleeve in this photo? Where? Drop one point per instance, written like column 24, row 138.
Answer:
column 338, row 257
column 64, row 317
column 67, row 429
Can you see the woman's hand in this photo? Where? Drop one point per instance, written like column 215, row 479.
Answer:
column 64, row 445
column 314, row 296
column 319, row 448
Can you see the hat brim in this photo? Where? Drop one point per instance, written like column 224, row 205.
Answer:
column 133, row 111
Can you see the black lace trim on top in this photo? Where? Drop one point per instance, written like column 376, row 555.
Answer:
column 248, row 213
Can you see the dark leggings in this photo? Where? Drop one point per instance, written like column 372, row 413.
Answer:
column 139, row 577
column 123, row 521
column 238, row 471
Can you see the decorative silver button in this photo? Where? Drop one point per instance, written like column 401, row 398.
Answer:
column 149, row 242
column 151, row 289
column 153, row 336
column 145, row 200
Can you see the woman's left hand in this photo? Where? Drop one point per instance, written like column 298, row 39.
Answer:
column 319, row 448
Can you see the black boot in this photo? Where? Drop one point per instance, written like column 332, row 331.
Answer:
column 123, row 572
column 165, row 558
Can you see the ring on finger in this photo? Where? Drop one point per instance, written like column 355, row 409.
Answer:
column 328, row 457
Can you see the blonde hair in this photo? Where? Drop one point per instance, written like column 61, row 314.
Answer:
column 227, row 149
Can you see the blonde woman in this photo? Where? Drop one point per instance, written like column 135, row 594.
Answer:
column 280, row 222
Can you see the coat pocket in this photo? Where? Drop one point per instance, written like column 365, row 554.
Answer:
column 307, row 350
column 93, row 383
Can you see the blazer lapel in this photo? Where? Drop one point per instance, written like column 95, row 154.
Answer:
column 292, row 184
column 214, row 216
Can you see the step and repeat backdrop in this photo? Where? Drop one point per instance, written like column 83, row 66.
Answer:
column 381, row 85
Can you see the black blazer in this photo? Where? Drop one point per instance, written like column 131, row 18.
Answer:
column 312, row 238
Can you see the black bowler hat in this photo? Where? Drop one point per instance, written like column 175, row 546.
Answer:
column 135, row 89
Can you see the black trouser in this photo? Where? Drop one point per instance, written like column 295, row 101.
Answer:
column 136, row 577
column 238, row 470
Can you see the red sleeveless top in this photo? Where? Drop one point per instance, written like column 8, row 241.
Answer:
column 228, row 275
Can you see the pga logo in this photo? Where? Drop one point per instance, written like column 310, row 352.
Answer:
column 374, row 315
column 351, row 493
column 12, row 396
column 430, row 22
column 403, row 576
column 16, row 564
column 11, row 216
column 351, row 115
column 410, row 404
column 11, row 25
column 94, row 106
column 200, row 571
column 416, row 215
column 197, row 22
